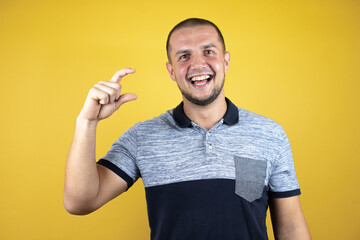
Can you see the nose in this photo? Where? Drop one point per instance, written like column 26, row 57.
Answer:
column 198, row 62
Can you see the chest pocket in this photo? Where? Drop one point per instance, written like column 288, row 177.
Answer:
column 250, row 177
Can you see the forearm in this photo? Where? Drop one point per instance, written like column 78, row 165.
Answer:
column 288, row 219
column 81, row 176
column 297, row 232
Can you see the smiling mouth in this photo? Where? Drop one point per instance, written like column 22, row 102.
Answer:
column 200, row 79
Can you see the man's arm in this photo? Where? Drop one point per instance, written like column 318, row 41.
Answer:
column 88, row 185
column 287, row 219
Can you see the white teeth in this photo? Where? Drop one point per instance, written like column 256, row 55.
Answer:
column 199, row 84
column 199, row 78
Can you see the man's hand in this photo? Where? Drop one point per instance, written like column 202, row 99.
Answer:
column 105, row 97
column 88, row 186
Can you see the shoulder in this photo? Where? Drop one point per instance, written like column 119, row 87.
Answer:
column 163, row 122
column 259, row 123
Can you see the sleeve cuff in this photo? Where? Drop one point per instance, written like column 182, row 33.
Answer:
column 117, row 171
column 286, row 194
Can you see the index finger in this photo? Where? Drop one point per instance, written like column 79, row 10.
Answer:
column 121, row 73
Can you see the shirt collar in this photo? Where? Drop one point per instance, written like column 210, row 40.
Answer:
column 230, row 118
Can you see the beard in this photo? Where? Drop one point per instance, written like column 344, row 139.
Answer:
column 206, row 101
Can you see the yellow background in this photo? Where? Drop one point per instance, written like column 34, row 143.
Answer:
column 296, row 62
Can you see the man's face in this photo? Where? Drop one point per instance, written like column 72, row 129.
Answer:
column 198, row 63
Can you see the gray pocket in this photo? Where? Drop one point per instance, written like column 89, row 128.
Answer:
column 250, row 177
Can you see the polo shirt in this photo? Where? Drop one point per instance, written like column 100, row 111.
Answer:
column 206, row 184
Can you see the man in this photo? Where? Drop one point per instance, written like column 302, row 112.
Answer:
column 210, row 169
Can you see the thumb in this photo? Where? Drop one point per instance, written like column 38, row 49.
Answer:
column 126, row 97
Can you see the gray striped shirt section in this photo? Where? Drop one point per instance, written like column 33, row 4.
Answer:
column 161, row 152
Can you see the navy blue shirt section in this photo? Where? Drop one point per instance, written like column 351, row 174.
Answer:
column 203, row 210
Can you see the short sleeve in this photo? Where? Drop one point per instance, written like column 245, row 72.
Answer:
column 121, row 158
column 283, row 181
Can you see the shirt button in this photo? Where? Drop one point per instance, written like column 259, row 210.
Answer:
column 208, row 134
column 210, row 147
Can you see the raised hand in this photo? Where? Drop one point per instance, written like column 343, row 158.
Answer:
column 105, row 97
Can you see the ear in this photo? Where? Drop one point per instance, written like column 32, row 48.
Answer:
column 227, row 61
column 171, row 71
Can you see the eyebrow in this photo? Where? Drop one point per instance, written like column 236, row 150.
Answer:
column 181, row 51
column 210, row 45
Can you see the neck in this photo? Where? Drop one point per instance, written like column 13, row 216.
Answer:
column 206, row 116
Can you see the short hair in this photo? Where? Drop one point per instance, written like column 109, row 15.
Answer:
column 193, row 22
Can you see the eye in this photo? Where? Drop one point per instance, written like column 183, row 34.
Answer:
column 184, row 57
column 208, row 52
